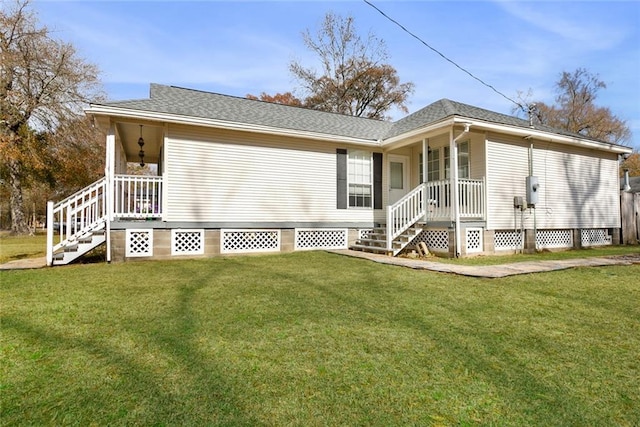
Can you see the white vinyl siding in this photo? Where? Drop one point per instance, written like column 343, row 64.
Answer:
column 225, row 176
column 578, row 187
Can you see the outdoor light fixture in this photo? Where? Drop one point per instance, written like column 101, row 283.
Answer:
column 141, row 144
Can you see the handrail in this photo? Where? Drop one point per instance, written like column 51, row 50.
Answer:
column 404, row 213
column 75, row 216
column 432, row 200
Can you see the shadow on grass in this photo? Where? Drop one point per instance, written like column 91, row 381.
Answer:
column 188, row 367
column 126, row 389
column 468, row 345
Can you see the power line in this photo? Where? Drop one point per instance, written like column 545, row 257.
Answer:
column 445, row 57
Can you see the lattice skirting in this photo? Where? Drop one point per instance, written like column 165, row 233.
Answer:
column 363, row 233
column 321, row 238
column 436, row 240
column 554, row 239
column 595, row 237
column 474, row 240
column 244, row 241
column 138, row 243
column 187, row 242
column 507, row 240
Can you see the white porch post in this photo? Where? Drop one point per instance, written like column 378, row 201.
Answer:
column 455, row 212
column 453, row 160
column 108, row 173
column 425, row 170
column 50, row 233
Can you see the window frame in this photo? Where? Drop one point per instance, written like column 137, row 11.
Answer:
column 358, row 179
column 433, row 158
column 461, row 155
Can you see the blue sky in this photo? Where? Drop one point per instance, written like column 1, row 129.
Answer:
column 244, row 47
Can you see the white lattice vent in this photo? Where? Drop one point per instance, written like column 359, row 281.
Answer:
column 507, row 240
column 474, row 240
column 138, row 243
column 326, row 238
column 232, row 241
column 364, row 233
column 554, row 239
column 187, row 242
column 595, row 237
column 436, row 240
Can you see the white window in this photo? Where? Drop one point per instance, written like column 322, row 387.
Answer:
column 463, row 161
column 433, row 165
column 360, row 178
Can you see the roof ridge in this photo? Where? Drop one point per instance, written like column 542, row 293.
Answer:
column 448, row 106
column 155, row 86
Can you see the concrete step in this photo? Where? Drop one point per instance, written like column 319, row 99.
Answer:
column 374, row 249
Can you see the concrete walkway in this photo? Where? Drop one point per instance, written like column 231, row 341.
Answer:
column 24, row 264
column 493, row 271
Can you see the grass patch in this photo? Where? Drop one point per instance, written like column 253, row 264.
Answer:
column 313, row 338
column 19, row 247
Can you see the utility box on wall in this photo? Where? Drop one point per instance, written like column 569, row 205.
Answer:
column 532, row 190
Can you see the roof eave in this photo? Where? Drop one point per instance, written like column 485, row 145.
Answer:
column 541, row 135
column 398, row 140
column 103, row 110
column 529, row 133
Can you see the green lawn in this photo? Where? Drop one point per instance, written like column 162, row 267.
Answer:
column 18, row 247
column 320, row 339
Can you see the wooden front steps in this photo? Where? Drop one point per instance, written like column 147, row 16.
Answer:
column 80, row 246
column 376, row 240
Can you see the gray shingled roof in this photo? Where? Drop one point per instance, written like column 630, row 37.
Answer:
column 207, row 105
column 445, row 108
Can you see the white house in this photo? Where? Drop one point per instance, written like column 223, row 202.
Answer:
column 236, row 175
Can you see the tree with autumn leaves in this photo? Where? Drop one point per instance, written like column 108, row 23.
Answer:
column 45, row 140
column 354, row 77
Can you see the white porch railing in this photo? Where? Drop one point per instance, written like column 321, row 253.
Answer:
column 432, row 202
column 75, row 216
column 471, row 199
column 136, row 196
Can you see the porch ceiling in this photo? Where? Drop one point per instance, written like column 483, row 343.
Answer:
column 129, row 133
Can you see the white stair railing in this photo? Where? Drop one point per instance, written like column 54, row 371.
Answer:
column 432, row 201
column 404, row 213
column 75, row 216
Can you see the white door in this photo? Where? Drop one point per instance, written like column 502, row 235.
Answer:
column 398, row 177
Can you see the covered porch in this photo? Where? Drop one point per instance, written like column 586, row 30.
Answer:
column 434, row 179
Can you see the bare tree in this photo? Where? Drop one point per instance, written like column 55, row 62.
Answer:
column 575, row 109
column 43, row 84
column 354, row 78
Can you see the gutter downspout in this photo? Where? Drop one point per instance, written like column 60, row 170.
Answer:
column 626, row 186
column 454, row 185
